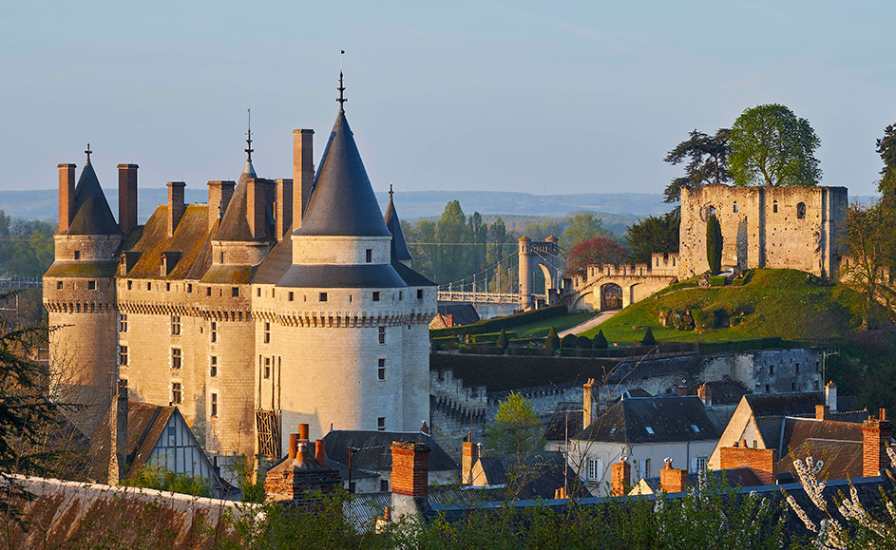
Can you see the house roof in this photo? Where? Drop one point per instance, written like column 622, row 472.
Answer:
column 783, row 404
column 343, row 202
column 275, row 264
column 190, row 239
column 565, row 421
column 375, row 449
column 145, row 425
column 652, row 420
column 461, row 314
column 92, row 213
column 399, row 248
column 725, row 392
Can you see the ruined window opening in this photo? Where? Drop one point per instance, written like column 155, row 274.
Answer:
column 801, row 210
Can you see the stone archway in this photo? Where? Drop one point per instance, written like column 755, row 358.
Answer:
column 610, row 297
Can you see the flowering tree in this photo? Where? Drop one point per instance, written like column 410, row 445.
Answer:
column 595, row 251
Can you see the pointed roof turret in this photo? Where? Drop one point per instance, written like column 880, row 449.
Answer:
column 400, row 250
column 92, row 213
column 343, row 202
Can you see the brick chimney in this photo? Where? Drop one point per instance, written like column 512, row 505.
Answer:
column 672, row 480
column 620, row 477
column 258, row 200
column 121, row 429
column 303, row 432
column 468, row 455
column 302, row 172
column 821, row 411
column 705, row 394
column 66, row 196
column 176, row 204
column 588, row 404
column 876, row 434
column 127, row 197
column 830, row 396
column 219, row 193
column 761, row 461
column 410, row 479
column 301, row 478
column 283, row 207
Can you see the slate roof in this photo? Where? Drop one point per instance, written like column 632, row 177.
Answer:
column 275, row 264
column 780, row 404
column 145, row 425
column 190, row 239
column 725, row 392
column 652, row 420
column 411, row 277
column 399, row 250
column 375, row 449
column 234, row 224
column 92, row 213
column 461, row 314
column 566, row 420
column 341, row 276
column 541, row 476
column 343, row 202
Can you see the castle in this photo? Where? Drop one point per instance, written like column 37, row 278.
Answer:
column 278, row 302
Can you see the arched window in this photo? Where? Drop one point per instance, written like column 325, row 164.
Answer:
column 800, row 210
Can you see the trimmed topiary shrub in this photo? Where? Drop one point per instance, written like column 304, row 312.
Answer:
column 718, row 280
column 648, row 339
column 552, row 341
column 569, row 341
column 583, row 342
column 600, row 341
column 502, row 342
column 714, row 244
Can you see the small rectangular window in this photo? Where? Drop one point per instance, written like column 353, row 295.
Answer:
column 322, row 297
column 213, row 366
column 149, row 286
column 400, row 295
column 267, row 332
column 130, row 284
column 771, row 370
column 368, row 255
column 213, row 333
column 175, row 325
column 176, row 357
column 77, row 254
column 291, row 296
column 58, row 285
column 167, row 287
column 258, row 292
column 208, row 291
column 381, row 424
column 382, row 335
column 235, row 292
column 701, row 463
column 91, row 285
column 267, row 368
column 123, row 356
column 419, row 293
column 189, row 288
column 123, row 322
column 176, row 393
column 214, row 401
column 376, row 296
column 381, row 369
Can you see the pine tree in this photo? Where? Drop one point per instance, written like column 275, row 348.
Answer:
column 600, row 341
column 502, row 342
column 648, row 339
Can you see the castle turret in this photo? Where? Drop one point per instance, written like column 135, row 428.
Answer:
column 79, row 292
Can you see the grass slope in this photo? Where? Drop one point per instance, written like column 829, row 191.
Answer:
column 541, row 328
column 784, row 303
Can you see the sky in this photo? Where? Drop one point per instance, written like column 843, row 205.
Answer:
column 540, row 97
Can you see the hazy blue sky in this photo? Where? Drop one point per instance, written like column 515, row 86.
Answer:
column 549, row 97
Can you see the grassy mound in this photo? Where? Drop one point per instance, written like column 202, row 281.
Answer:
column 774, row 302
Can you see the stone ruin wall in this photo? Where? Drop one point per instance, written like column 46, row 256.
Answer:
column 761, row 228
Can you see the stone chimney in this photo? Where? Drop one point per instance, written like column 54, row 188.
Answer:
column 302, row 172
column 219, row 193
column 176, row 204
column 876, row 434
column 761, row 461
column 705, row 394
column 66, row 196
column 672, row 480
column 303, row 432
column 588, row 404
column 821, row 411
column 410, row 479
column 121, row 429
column 283, row 207
column 620, row 477
column 830, row 396
column 127, row 197
column 468, row 455
column 258, row 201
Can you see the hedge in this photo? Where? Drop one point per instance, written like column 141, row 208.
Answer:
column 497, row 324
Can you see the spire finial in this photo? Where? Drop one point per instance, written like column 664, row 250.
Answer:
column 88, row 152
column 341, row 99
column 390, row 192
column 249, row 150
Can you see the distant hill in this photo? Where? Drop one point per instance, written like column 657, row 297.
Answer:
column 782, row 303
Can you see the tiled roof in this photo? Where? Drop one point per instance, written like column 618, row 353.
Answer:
column 783, row 404
column 461, row 314
column 652, row 420
column 92, row 213
column 375, row 449
column 81, row 269
column 145, row 425
column 565, row 421
column 343, row 202
column 190, row 239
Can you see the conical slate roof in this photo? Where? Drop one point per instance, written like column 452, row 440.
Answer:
column 235, row 224
column 92, row 213
column 343, row 202
column 400, row 250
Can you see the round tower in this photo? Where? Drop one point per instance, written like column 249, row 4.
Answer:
column 79, row 295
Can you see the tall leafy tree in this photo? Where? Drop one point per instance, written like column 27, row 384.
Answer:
column 869, row 238
column 451, row 235
column 582, row 227
column 707, row 161
column 886, row 148
column 770, row 145
column 653, row 234
column 714, row 244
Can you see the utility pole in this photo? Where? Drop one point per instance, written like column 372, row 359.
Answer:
column 824, row 365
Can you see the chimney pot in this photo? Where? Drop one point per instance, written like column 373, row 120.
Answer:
column 302, row 172
column 303, row 432
column 176, row 204
column 66, row 196
column 882, row 414
column 320, row 454
column 127, row 197
column 293, row 445
column 821, row 411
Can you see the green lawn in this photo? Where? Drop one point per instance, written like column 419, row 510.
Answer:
column 783, row 303
column 541, row 328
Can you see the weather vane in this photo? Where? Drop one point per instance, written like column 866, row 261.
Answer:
column 249, row 150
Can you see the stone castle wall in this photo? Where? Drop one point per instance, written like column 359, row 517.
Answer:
column 776, row 227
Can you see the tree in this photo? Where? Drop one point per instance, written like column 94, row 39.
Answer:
column 569, row 341
column 707, row 158
column 886, row 148
column 771, row 146
column 516, row 433
column 583, row 342
column 653, row 234
column 502, row 342
column 714, row 243
column 596, row 251
column 648, row 339
column 582, row 227
column 869, row 238
column 552, row 341
column 600, row 341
